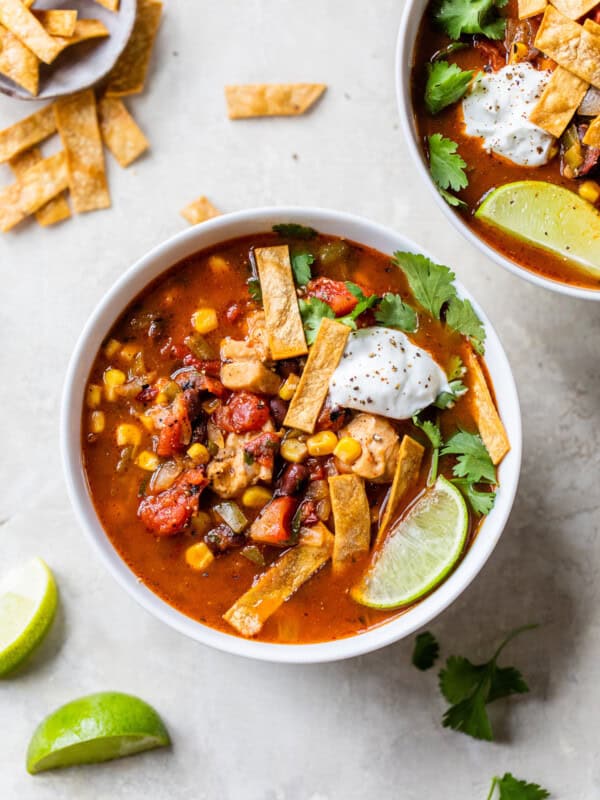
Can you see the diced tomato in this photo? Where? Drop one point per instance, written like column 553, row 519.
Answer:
column 210, row 366
column 172, row 350
column 234, row 311
column 168, row 513
column 243, row 412
column 262, row 449
column 274, row 525
column 494, row 52
column 176, row 430
column 335, row 293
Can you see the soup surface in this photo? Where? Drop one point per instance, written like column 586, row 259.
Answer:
column 203, row 488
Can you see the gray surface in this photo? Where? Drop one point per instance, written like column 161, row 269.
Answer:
column 361, row 729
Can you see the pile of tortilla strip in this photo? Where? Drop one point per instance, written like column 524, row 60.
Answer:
column 575, row 48
column 84, row 121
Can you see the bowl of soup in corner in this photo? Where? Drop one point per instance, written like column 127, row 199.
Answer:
column 291, row 435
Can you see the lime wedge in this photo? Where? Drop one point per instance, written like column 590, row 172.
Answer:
column 548, row 216
column 95, row 728
column 419, row 551
column 28, row 599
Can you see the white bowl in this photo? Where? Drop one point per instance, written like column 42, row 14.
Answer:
column 409, row 27
column 114, row 303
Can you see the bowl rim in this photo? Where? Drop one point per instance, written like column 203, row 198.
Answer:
column 115, row 300
column 413, row 10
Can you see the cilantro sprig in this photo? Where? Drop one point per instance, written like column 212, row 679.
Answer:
column 446, row 84
column 312, row 311
column 511, row 788
column 426, row 651
column 471, row 687
column 447, row 168
column 473, row 467
column 433, row 432
column 457, row 17
column 291, row 230
column 395, row 313
column 462, row 317
column 301, row 263
column 364, row 303
column 254, row 290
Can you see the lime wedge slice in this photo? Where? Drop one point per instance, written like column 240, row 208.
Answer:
column 95, row 728
column 28, row 599
column 548, row 216
column 419, row 551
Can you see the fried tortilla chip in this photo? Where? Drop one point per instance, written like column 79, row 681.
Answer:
column 112, row 5
column 199, row 211
column 20, row 21
column 120, row 132
column 57, row 21
column 18, row 63
column 296, row 566
column 408, row 466
column 323, row 358
column 55, row 210
column 531, row 8
column 484, row 411
column 27, row 133
column 592, row 135
column 572, row 46
column 574, row 9
column 352, row 520
column 559, row 101
column 85, row 29
column 77, row 124
column 34, row 189
column 284, row 323
column 271, row 100
column 128, row 76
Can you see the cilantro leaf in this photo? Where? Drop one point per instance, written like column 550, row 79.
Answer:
column 301, row 267
column 473, row 460
column 481, row 502
column 312, row 312
column 511, row 788
column 395, row 313
column 446, row 84
column 291, row 230
column 363, row 304
column 456, row 368
column 434, row 434
column 451, row 199
column 470, row 687
column 430, row 283
column 254, row 290
column 462, row 317
column 471, row 16
column 426, row 651
column 446, row 165
column 448, row 399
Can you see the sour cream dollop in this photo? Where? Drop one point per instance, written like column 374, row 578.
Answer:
column 381, row 371
column 497, row 108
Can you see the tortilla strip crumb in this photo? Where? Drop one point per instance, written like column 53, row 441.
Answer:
column 572, row 46
column 111, row 5
column 77, row 123
column 531, row 8
column 85, row 29
column 57, row 21
column 120, row 132
column 323, row 358
column 271, row 100
column 20, row 21
column 18, row 63
column 128, row 76
column 485, row 413
column 408, row 466
column 592, row 135
column 27, row 132
column 559, row 101
column 34, row 189
column 574, row 9
column 352, row 520
column 199, row 211
column 55, row 210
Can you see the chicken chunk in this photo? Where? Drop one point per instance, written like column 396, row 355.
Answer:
column 251, row 375
column 230, row 473
column 255, row 346
column 380, row 445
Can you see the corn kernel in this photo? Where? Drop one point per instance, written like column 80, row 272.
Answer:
column 518, row 52
column 256, row 497
column 128, row 434
column 93, row 395
column 198, row 453
column 97, row 421
column 198, row 556
column 348, row 450
column 111, row 348
column 219, row 265
column 202, row 523
column 288, row 389
column 148, row 422
column 210, row 405
column 204, row 320
column 148, row 460
column 322, row 443
column 590, row 191
column 114, row 377
column 294, row 450
column 129, row 352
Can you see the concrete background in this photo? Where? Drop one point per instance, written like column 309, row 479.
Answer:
column 364, row 728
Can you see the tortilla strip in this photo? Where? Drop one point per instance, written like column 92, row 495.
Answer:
column 55, row 210
column 20, row 21
column 84, row 29
column 271, row 100
column 128, row 76
column 283, row 320
column 574, row 9
column 27, row 132
column 352, row 520
column 592, row 135
column 572, row 46
column 34, row 189
column 199, row 211
column 112, row 5
column 407, row 471
column 250, row 612
column 484, row 411
column 531, row 8
column 559, row 101
column 120, row 132
column 323, row 358
column 57, row 21
column 18, row 63
column 77, row 124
